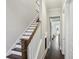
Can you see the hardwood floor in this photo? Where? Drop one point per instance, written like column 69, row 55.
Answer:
column 54, row 52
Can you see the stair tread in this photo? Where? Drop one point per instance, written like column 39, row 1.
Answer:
column 28, row 31
column 33, row 25
column 14, row 56
column 26, row 35
column 31, row 28
column 17, row 49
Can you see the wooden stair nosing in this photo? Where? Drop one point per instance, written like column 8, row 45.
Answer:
column 18, row 43
column 17, row 49
column 13, row 56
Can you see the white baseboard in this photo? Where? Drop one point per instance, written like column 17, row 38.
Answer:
column 49, row 45
column 38, row 49
column 44, row 53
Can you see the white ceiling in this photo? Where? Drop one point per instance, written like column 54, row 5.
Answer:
column 54, row 3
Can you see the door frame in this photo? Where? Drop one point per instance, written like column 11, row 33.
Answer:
column 60, row 42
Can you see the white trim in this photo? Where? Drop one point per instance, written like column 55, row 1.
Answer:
column 44, row 54
column 49, row 45
column 38, row 49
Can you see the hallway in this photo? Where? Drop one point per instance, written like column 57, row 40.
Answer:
column 54, row 52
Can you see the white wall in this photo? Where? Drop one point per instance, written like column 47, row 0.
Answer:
column 68, row 25
column 43, row 19
column 19, row 14
column 54, row 12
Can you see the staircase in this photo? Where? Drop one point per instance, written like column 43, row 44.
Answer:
column 20, row 48
column 17, row 52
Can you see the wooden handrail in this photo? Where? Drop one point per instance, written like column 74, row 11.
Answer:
column 25, row 42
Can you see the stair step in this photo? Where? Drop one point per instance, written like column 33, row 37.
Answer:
column 18, row 43
column 33, row 25
column 17, row 49
column 16, row 53
column 18, row 46
column 26, row 35
column 30, row 30
column 13, row 56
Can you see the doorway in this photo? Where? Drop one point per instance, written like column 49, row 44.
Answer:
column 55, row 30
column 54, row 50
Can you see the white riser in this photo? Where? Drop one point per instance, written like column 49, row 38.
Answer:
column 28, row 33
column 30, row 30
column 18, row 46
column 26, row 37
column 16, row 53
